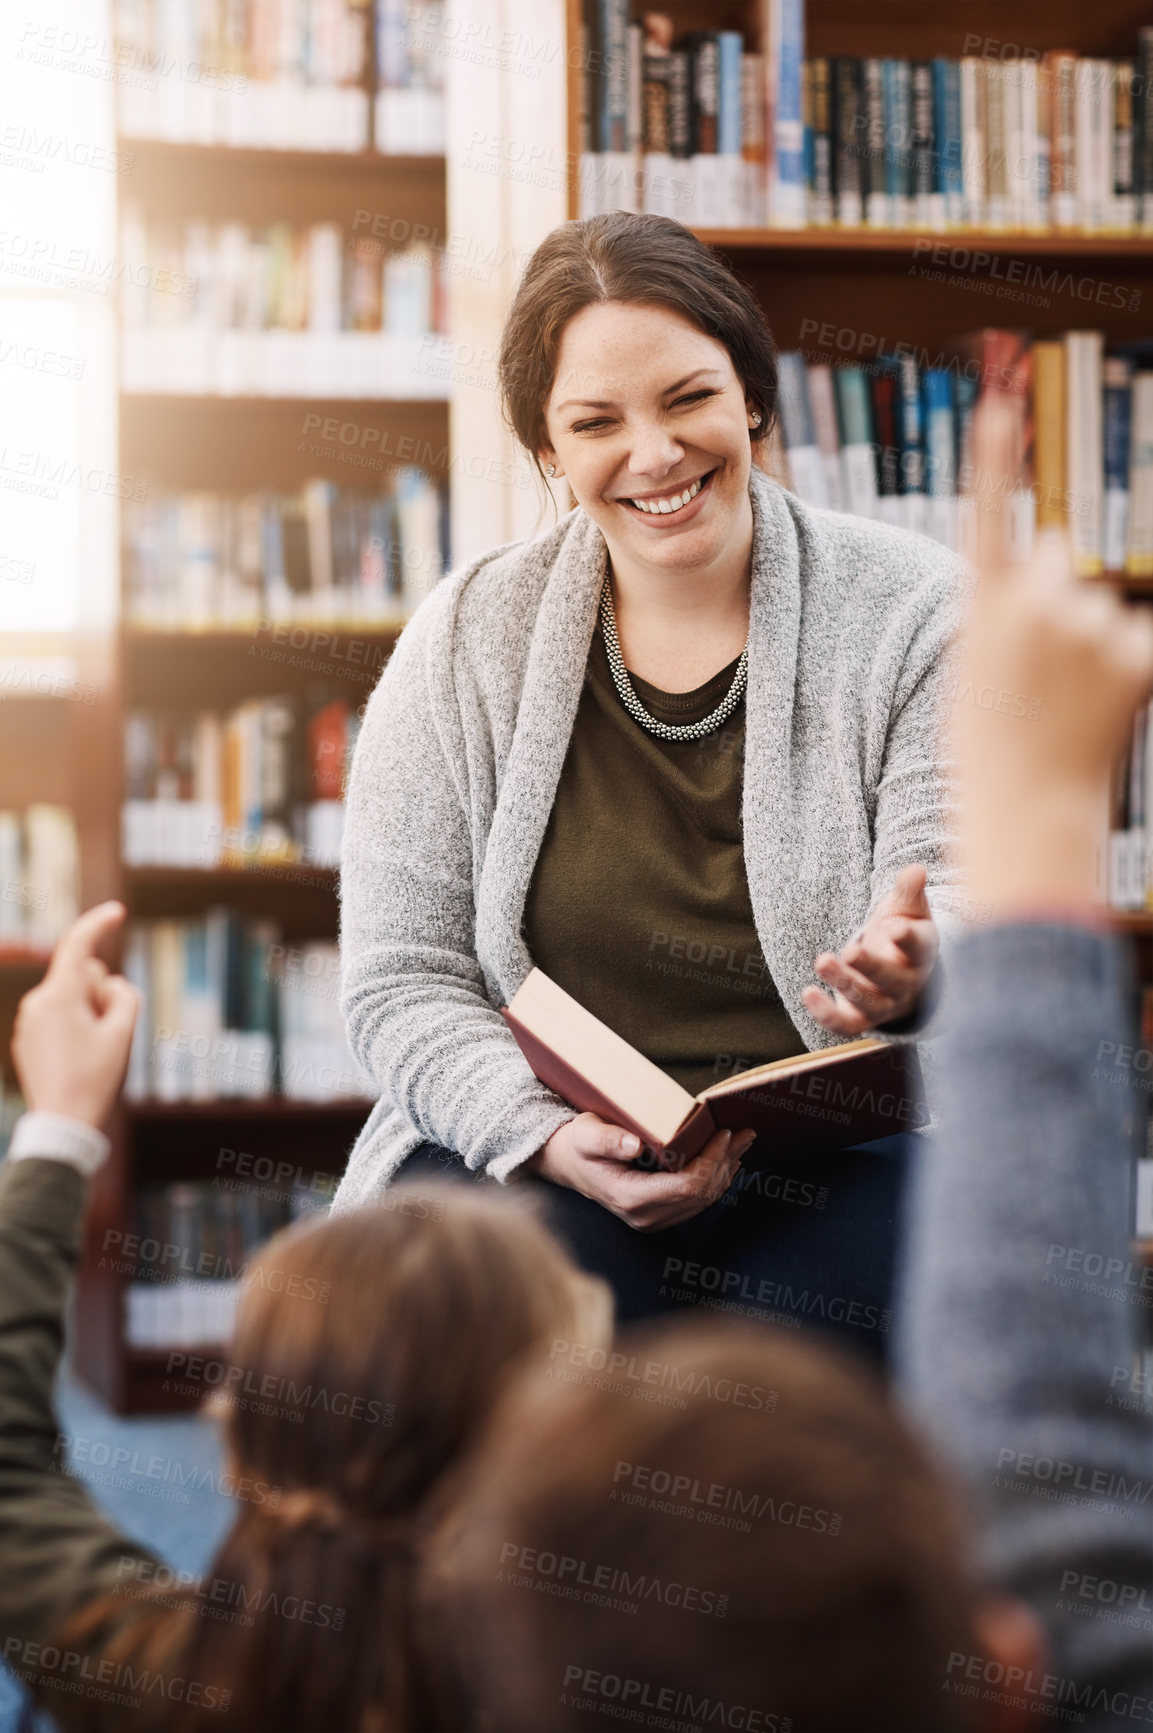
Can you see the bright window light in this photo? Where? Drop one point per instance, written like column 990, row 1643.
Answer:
column 40, row 470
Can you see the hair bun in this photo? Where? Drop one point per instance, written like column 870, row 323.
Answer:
column 317, row 1507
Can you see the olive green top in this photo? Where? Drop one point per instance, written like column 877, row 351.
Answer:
column 639, row 906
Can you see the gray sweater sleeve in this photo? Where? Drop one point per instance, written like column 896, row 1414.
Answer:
column 419, row 1018
column 1017, row 1337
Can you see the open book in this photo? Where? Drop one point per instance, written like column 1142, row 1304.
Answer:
column 826, row 1100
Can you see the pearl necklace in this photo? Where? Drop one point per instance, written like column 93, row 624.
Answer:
column 628, row 697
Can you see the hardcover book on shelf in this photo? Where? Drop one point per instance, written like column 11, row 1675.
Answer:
column 819, row 141
column 1085, row 447
column 850, row 171
column 806, row 464
column 823, row 404
column 783, row 45
column 875, row 178
column 1117, row 382
column 1049, row 448
column 896, row 95
column 1061, row 83
column 1139, row 551
column 1143, row 132
column 974, row 135
column 858, row 457
column 830, row 1099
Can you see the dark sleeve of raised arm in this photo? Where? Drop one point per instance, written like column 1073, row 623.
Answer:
column 57, row 1551
column 1018, row 1323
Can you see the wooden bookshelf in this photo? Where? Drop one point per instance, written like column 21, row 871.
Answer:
column 169, row 440
column 1075, row 247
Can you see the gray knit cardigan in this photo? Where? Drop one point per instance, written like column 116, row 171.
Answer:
column 457, row 765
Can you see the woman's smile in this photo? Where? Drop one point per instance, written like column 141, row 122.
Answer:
column 672, row 506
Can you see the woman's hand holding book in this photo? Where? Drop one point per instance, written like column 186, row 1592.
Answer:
column 599, row 1161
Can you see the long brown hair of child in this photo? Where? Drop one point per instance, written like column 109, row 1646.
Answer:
column 369, row 1351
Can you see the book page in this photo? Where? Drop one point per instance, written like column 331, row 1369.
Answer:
column 800, row 1062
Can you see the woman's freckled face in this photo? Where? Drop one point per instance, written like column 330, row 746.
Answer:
column 645, row 409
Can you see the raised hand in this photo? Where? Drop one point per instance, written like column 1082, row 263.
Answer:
column 1033, row 785
column 73, row 1032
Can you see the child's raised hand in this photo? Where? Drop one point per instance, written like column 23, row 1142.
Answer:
column 1052, row 669
column 73, row 1032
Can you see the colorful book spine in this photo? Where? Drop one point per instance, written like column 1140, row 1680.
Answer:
column 1139, row 551
column 1117, row 381
column 877, row 210
column 858, row 447
column 1143, row 129
column 912, row 439
column 786, row 52
column 1062, row 84
column 896, row 86
column 849, row 122
column 806, row 464
column 821, row 181
column 1050, row 417
column 1085, row 460
column 928, row 199
column 974, row 122
column 950, row 176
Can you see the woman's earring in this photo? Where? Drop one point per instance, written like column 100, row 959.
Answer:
column 756, row 418
column 550, row 470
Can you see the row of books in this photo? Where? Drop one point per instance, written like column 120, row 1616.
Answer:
column 720, row 132
column 321, row 555
column 189, row 1246
column 284, row 74
column 279, row 310
column 39, row 875
column 231, row 1009
column 1062, row 143
column 890, row 440
column 675, row 125
column 233, row 277
column 263, row 783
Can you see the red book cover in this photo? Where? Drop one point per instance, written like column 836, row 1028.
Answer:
column 327, row 737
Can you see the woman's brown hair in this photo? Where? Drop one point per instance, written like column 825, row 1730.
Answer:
column 622, row 257
column 369, row 1351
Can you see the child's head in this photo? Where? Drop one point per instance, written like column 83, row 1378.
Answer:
column 732, row 1528
column 369, row 1350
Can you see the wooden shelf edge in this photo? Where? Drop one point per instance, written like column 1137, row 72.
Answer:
column 832, row 240
column 144, row 876
column 1136, row 922
column 229, row 155
column 211, row 637
column 262, row 1107
column 289, row 400
column 1127, row 581
column 24, row 958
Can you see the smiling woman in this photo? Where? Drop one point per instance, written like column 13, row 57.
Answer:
column 680, row 752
